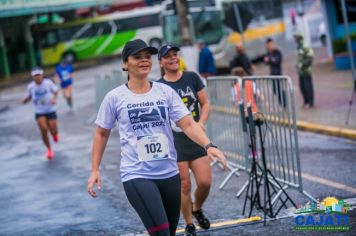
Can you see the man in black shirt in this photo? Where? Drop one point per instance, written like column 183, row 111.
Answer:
column 241, row 60
column 274, row 60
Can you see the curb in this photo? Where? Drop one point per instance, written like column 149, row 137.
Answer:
column 328, row 130
column 229, row 223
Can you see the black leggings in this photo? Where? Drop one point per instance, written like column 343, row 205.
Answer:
column 157, row 202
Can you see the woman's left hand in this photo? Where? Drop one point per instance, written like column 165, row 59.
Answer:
column 215, row 153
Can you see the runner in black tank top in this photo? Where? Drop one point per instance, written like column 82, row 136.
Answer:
column 190, row 155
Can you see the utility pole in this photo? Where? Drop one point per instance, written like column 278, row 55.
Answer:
column 348, row 38
column 352, row 62
column 182, row 12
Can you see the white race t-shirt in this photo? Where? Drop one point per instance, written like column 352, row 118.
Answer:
column 42, row 95
column 147, row 148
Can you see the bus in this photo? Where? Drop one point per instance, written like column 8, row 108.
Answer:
column 216, row 22
column 256, row 19
column 205, row 23
column 99, row 36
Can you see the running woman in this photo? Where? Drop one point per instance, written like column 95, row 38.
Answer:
column 149, row 170
column 43, row 93
column 64, row 76
column 190, row 155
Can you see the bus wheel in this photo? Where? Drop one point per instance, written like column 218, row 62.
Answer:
column 155, row 42
column 69, row 57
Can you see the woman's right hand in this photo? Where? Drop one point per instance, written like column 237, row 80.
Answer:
column 94, row 179
column 25, row 100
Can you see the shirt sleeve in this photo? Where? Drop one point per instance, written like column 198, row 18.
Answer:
column 70, row 68
column 176, row 108
column 198, row 83
column 58, row 72
column 107, row 115
column 52, row 86
column 29, row 91
column 211, row 63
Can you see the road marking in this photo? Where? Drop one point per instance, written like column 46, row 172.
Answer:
column 327, row 182
column 231, row 222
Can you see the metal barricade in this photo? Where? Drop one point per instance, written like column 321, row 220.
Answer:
column 224, row 124
column 105, row 83
column 273, row 97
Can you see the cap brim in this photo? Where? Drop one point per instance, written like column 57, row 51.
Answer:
column 152, row 50
column 174, row 48
column 177, row 49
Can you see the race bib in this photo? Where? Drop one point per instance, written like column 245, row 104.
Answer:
column 152, row 148
column 41, row 102
column 65, row 75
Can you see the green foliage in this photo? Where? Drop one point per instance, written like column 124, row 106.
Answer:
column 340, row 45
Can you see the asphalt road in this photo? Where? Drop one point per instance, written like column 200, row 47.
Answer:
column 40, row 197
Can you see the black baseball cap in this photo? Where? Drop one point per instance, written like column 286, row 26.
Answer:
column 165, row 49
column 135, row 46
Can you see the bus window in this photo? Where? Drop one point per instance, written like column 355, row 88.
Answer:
column 192, row 4
column 120, row 25
column 171, row 29
column 141, row 21
column 103, row 28
column 65, row 34
column 273, row 9
column 51, row 39
column 208, row 26
column 86, row 31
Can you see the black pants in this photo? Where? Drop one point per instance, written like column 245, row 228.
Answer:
column 306, row 87
column 277, row 90
column 157, row 202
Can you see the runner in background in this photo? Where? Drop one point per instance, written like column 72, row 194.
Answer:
column 149, row 170
column 64, row 76
column 43, row 93
column 191, row 156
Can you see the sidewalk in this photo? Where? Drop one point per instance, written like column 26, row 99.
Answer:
column 332, row 94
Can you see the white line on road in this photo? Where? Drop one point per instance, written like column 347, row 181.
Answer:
column 328, row 182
